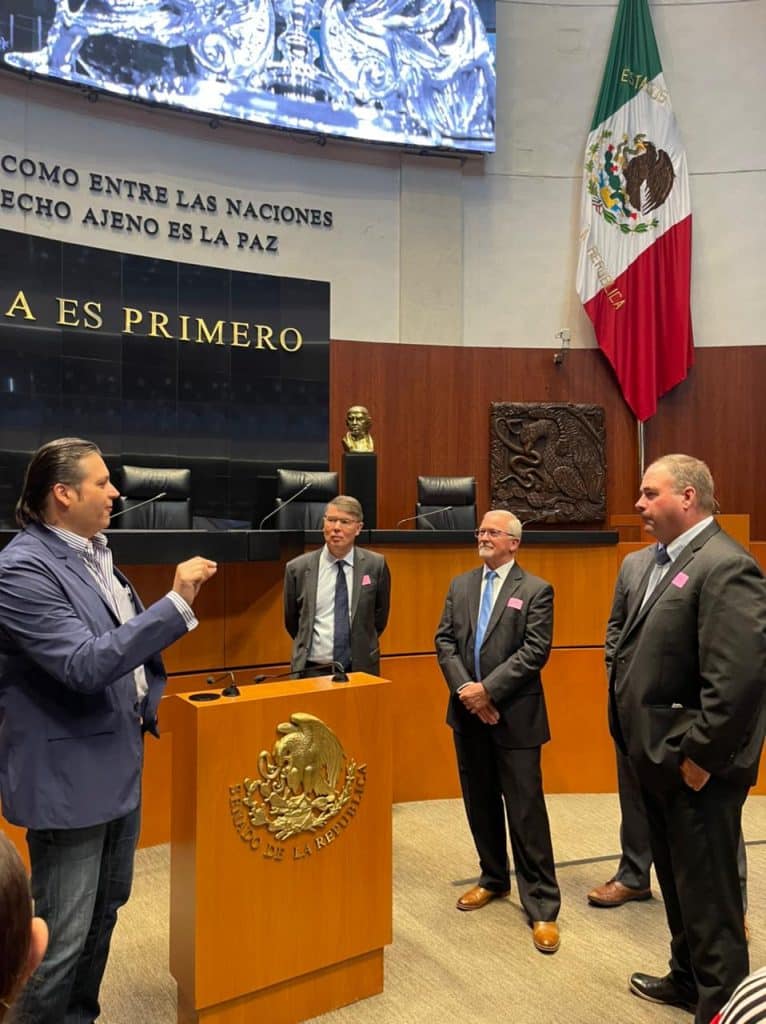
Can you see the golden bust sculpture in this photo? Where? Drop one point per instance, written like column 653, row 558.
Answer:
column 358, row 438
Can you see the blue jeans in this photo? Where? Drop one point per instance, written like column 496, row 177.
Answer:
column 80, row 879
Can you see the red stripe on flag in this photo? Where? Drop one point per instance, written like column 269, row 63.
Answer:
column 643, row 320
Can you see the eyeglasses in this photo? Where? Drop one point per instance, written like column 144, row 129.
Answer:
column 494, row 534
column 337, row 520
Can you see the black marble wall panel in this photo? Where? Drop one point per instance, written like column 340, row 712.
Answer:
column 106, row 345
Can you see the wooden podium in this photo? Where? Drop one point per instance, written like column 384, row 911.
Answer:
column 281, row 887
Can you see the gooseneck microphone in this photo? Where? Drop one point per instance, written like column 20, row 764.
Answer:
column 284, row 504
column 272, row 677
column 232, row 690
column 141, row 504
column 426, row 516
column 340, row 675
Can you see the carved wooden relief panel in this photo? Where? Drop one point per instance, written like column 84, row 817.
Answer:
column 548, row 461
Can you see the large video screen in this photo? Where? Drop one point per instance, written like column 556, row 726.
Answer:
column 408, row 72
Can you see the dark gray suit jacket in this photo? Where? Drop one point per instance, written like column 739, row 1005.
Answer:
column 635, row 568
column 688, row 670
column 369, row 607
column 515, row 649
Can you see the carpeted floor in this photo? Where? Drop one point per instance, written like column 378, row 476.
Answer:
column 477, row 968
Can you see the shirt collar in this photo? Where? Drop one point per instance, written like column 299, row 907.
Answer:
column 502, row 571
column 81, row 544
column 331, row 560
column 676, row 546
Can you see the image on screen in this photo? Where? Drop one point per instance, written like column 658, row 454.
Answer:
column 408, row 72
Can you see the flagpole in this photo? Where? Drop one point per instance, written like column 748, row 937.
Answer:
column 641, row 450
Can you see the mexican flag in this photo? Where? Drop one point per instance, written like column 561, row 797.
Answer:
column 634, row 267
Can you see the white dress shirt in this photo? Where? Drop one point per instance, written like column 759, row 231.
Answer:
column 323, row 636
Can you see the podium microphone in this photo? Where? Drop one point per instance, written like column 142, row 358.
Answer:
column 425, row 515
column 284, row 504
column 339, row 673
column 141, row 504
column 232, row 690
column 273, row 677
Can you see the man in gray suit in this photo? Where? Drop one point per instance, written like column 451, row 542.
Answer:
column 686, row 707
column 337, row 599
column 631, row 880
column 492, row 642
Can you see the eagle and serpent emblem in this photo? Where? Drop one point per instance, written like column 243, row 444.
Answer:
column 303, row 783
column 628, row 180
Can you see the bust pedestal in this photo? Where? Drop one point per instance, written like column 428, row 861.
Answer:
column 360, row 480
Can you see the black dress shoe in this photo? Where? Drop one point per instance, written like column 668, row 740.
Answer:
column 662, row 990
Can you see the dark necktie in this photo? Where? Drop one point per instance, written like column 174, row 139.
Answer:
column 341, row 648
column 661, row 559
column 485, row 611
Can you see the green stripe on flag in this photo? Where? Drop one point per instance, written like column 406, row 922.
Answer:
column 633, row 59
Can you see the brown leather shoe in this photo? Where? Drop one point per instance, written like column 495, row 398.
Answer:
column 478, row 897
column 614, row 894
column 545, row 935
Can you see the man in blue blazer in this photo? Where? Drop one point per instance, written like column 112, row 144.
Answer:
column 80, row 681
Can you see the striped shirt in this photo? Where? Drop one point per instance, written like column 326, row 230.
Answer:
column 748, row 1002
column 97, row 558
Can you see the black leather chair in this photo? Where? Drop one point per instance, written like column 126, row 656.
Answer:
column 137, row 483
column 304, row 512
column 437, row 492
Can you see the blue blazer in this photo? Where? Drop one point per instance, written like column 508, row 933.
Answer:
column 71, row 744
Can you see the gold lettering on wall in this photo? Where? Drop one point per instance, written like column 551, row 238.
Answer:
column 239, row 338
column 89, row 314
column 93, row 318
column 264, row 336
column 131, row 318
column 204, row 335
column 67, row 313
column 159, row 325
column 295, row 336
column 20, row 304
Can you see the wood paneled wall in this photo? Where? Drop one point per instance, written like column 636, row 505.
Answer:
column 430, row 409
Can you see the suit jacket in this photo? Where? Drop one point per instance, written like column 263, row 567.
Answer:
column 71, row 744
column 688, row 669
column 635, row 568
column 369, row 607
column 515, row 648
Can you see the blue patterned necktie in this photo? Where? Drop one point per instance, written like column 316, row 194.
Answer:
column 341, row 648
column 661, row 556
column 483, row 621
